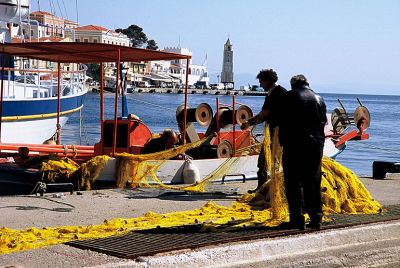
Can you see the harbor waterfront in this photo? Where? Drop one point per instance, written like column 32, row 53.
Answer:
column 135, row 146
column 158, row 112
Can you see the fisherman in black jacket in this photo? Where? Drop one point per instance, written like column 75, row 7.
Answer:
column 269, row 114
column 301, row 133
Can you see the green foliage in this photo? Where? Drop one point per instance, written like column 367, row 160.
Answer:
column 93, row 71
column 151, row 44
column 135, row 34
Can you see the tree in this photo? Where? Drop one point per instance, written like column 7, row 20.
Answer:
column 93, row 71
column 135, row 34
column 151, row 44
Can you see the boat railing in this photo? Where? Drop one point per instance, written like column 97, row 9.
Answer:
column 42, row 83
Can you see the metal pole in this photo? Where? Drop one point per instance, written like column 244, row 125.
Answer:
column 58, row 133
column 2, row 91
column 217, row 101
column 186, row 101
column 233, row 124
column 122, row 93
column 101, row 105
column 80, row 126
column 116, row 102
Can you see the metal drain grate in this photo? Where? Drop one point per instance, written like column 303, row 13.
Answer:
column 150, row 242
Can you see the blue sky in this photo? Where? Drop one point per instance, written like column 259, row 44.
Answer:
column 343, row 46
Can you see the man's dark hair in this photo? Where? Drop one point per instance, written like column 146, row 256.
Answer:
column 299, row 81
column 268, row 75
column 167, row 133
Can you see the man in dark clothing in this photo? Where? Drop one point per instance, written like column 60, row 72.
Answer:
column 269, row 114
column 301, row 134
column 167, row 140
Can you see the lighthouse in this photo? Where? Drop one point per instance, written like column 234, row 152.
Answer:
column 227, row 66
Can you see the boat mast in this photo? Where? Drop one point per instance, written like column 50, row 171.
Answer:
column 101, row 105
column 116, row 102
column 186, row 100
column 1, row 91
column 58, row 102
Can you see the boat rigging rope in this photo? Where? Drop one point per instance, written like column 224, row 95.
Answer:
column 82, row 128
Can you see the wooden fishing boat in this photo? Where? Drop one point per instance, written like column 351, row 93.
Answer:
column 126, row 133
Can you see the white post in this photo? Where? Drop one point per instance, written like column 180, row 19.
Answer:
column 51, row 80
column 24, row 85
column 9, row 82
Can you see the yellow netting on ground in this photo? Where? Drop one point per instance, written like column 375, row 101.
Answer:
column 342, row 192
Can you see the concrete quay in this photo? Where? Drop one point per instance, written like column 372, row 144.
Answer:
column 376, row 245
column 193, row 91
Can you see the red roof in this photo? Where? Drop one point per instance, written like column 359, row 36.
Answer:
column 91, row 28
column 41, row 13
column 70, row 21
column 71, row 52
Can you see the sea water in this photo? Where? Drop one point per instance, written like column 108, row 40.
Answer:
column 158, row 112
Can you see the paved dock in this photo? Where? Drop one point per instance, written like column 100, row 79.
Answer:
column 192, row 91
column 96, row 206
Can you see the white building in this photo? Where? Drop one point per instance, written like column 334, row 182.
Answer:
column 177, row 68
column 98, row 34
column 42, row 24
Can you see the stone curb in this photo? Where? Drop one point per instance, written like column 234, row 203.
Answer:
column 269, row 249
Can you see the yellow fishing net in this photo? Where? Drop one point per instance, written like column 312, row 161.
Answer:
column 58, row 169
column 342, row 192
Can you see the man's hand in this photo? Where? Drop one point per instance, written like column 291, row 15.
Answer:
column 245, row 125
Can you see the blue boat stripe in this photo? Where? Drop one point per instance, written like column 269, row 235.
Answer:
column 40, row 107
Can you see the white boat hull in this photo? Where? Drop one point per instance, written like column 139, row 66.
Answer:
column 171, row 170
column 30, row 131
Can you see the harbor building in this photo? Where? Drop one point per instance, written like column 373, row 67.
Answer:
column 55, row 26
column 99, row 34
column 42, row 26
column 227, row 66
column 177, row 68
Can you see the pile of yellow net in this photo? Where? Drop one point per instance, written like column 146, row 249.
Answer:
column 342, row 192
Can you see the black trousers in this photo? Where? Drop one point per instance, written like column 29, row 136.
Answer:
column 302, row 175
column 262, row 174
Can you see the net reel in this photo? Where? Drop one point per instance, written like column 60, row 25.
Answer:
column 225, row 149
column 362, row 118
column 341, row 119
column 202, row 114
column 242, row 114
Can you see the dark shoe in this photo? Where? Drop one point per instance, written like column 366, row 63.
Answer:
column 255, row 190
column 314, row 225
column 252, row 191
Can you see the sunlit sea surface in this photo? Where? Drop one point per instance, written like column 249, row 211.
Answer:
column 158, row 112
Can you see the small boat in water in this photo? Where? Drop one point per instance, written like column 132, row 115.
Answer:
column 30, row 103
column 33, row 92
